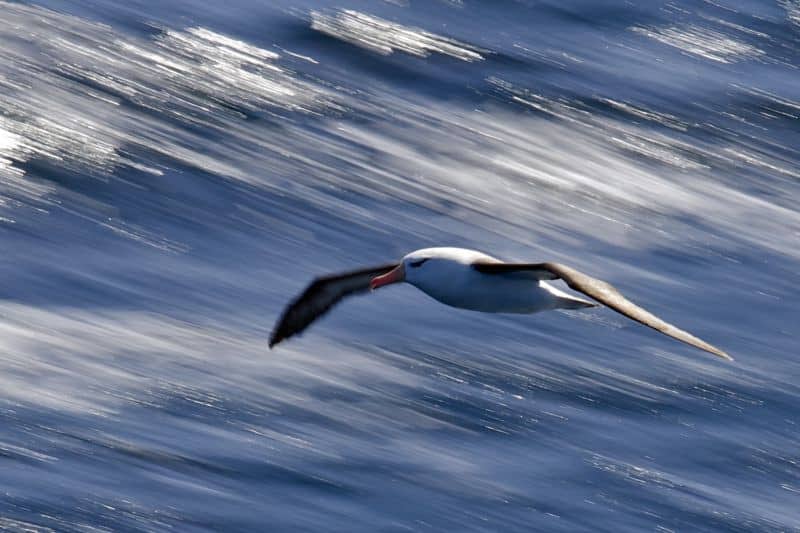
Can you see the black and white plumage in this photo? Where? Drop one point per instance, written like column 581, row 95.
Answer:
column 469, row 279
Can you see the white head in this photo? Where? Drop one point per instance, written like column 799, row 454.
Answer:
column 423, row 265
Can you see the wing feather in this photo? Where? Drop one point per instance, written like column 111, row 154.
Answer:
column 604, row 293
column 535, row 271
column 319, row 297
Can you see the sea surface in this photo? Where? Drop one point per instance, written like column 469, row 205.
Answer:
column 172, row 173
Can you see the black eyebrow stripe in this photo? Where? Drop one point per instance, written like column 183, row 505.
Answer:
column 418, row 262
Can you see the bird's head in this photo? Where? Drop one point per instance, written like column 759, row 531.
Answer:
column 407, row 270
column 427, row 265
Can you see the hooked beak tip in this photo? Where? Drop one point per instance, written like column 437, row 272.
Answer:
column 393, row 276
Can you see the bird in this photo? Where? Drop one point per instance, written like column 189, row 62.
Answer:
column 469, row 279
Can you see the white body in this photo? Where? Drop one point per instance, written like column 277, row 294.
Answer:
column 447, row 276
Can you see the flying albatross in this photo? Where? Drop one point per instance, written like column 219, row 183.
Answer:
column 473, row 280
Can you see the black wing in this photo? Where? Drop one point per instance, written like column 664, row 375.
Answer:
column 601, row 291
column 322, row 294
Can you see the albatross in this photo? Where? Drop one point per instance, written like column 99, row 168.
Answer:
column 469, row 279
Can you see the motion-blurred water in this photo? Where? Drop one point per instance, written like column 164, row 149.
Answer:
column 172, row 173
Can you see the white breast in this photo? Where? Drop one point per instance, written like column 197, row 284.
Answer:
column 457, row 284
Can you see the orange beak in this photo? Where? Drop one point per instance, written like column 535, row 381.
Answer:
column 395, row 275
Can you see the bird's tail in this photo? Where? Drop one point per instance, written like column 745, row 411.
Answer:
column 568, row 302
column 563, row 300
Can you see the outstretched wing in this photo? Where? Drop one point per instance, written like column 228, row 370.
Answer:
column 601, row 291
column 322, row 294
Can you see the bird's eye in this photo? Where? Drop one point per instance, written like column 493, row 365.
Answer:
column 417, row 263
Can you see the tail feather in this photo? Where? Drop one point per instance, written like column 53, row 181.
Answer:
column 574, row 303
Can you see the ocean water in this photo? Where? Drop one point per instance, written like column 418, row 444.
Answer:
column 173, row 173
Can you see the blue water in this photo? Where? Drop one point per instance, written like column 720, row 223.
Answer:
column 172, row 173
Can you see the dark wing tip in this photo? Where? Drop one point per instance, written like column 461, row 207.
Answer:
column 275, row 337
column 283, row 327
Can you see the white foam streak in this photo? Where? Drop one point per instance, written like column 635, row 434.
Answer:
column 555, row 177
column 702, row 42
column 196, row 76
column 385, row 37
column 792, row 8
column 51, row 111
column 502, row 169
